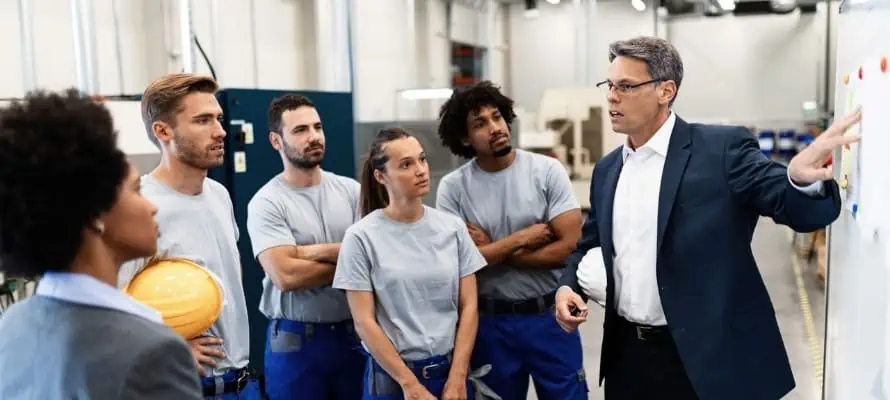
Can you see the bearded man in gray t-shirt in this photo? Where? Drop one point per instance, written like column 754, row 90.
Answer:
column 296, row 222
column 523, row 216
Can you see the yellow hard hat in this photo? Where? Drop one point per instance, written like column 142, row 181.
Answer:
column 187, row 295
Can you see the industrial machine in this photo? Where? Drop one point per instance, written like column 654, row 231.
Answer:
column 572, row 125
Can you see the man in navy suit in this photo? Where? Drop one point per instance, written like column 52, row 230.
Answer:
column 673, row 212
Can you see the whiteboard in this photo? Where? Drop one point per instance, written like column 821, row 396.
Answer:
column 857, row 331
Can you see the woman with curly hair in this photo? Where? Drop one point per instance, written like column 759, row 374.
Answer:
column 71, row 213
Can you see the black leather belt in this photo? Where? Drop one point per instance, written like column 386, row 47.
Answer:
column 644, row 332
column 431, row 371
column 535, row 305
column 232, row 386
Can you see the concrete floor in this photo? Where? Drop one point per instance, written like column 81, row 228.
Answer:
column 801, row 327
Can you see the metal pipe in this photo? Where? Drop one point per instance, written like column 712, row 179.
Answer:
column 29, row 70
column 826, row 100
column 117, row 46
column 593, row 59
column 491, row 9
column 84, row 46
column 214, row 33
column 579, row 25
column 340, row 14
column 253, row 46
column 411, row 36
column 186, row 52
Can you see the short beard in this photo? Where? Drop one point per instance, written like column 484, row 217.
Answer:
column 303, row 163
column 503, row 152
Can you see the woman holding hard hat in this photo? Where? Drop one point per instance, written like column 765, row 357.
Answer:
column 71, row 213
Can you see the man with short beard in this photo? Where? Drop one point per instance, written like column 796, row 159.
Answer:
column 183, row 118
column 296, row 222
column 523, row 216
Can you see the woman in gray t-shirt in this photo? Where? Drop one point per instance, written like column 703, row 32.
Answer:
column 408, row 270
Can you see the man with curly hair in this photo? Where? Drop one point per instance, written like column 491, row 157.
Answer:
column 523, row 216
column 183, row 118
column 70, row 213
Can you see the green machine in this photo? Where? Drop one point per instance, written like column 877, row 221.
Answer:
column 250, row 162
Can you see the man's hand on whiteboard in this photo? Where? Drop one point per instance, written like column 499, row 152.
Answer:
column 808, row 166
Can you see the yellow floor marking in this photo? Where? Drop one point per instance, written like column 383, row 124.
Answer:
column 812, row 338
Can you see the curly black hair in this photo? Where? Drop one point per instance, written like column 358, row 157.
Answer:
column 454, row 113
column 60, row 168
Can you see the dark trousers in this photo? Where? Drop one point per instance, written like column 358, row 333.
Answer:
column 432, row 374
column 646, row 366
column 313, row 361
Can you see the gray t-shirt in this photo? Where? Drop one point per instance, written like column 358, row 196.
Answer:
column 202, row 228
column 280, row 214
column 533, row 189
column 414, row 270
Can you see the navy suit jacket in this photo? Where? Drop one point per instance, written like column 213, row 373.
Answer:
column 715, row 185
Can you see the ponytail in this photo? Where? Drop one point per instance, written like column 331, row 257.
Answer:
column 373, row 194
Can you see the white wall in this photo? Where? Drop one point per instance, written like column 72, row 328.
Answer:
column 148, row 32
column 544, row 51
column 385, row 62
column 753, row 69
column 288, row 51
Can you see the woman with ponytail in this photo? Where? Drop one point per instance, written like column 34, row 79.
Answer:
column 408, row 271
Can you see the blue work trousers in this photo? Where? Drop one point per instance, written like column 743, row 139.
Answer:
column 250, row 391
column 432, row 374
column 518, row 346
column 313, row 361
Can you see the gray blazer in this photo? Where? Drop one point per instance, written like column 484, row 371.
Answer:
column 53, row 349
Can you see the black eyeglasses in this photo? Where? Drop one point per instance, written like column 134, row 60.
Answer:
column 606, row 86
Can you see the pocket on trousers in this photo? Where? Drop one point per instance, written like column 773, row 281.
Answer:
column 286, row 342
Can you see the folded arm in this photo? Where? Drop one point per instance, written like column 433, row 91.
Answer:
column 498, row 252
column 291, row 268
column 567, row 229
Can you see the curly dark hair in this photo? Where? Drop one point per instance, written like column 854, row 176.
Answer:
column 282, row 104
column 60, row 168
column 454, row 113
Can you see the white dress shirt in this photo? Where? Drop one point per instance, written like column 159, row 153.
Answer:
column 635, row 233
column 86, row 290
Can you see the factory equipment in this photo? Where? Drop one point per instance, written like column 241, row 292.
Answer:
column 572, row 125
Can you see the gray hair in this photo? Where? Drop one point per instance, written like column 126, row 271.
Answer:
column 661, row 58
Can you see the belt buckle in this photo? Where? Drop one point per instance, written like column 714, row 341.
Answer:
column 424, row 372
column 241, row 383
column 640, row 330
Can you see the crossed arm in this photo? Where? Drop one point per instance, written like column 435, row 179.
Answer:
column 544, row 246
column 293, row 267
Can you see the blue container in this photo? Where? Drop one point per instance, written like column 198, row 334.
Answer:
column 786, row 144
column 767, row 141
column 804, row 139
